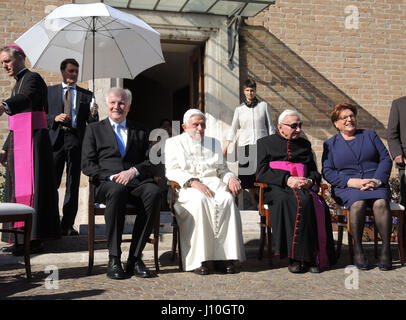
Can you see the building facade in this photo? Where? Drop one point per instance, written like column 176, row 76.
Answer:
column 304, row 55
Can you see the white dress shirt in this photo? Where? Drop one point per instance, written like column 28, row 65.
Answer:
column 124, row 135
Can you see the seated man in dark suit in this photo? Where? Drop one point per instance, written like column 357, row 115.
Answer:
column 115, row 154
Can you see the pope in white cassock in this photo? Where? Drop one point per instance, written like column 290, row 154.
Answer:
column 208, row 218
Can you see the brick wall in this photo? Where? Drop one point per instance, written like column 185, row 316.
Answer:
column 301, row 54
column 304, row 55
column 16, row 17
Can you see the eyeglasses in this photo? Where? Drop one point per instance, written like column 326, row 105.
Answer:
column 294, row 125
column 351, row 116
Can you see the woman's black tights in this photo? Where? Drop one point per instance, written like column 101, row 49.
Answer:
column 383, row 221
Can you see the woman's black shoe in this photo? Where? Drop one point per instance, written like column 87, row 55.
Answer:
column 362, row 266
column 385, row 263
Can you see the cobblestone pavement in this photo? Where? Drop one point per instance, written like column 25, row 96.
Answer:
column 254, row 281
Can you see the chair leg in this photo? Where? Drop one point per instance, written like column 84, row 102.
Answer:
column 91, row 236
column 400, row 238
column 27, row 239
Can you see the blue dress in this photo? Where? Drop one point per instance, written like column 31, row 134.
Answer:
column 365, row 157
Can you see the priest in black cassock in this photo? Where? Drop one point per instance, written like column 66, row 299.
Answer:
column 27, row 153
column 301, row 225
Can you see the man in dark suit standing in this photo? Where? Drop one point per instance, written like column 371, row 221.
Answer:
column 115, row 155
column 67, row 116
column 397, row 145
column 27, row 152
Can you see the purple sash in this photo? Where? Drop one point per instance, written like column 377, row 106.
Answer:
column 23, row 126
column 300, row 170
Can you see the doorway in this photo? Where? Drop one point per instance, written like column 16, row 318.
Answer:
column 167, row 90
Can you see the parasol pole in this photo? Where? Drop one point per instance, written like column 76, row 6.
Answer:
column 93, row 58
column 94, row 35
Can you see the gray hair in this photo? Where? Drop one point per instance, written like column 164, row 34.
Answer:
column 286, row 113
column 13, row 51
column 192, row 112
column 125, row 93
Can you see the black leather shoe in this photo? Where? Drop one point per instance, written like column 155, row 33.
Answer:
column 229, row 267
column 384, row 267
column 312, row 268
column 115, row 270
column 202, row 270
column 69, row 232
column 295, row 267
column 136, row 267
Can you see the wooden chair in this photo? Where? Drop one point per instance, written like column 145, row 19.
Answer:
column 342, row 213
column 97, row 209
column 265, row 223
column 174, row 186
column 15, row 212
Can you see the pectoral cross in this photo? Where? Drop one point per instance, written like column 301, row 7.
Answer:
column 194, row 173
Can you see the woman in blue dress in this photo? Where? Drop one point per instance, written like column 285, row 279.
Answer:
column 358, row 166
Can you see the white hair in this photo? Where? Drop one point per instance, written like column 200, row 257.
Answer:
column 125, row 93
column 192, row 112
column 286, row 113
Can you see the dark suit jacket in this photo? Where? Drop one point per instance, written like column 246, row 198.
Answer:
column 55, row 107
column 397, row 128
column 29, row 94
column 101, row 157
